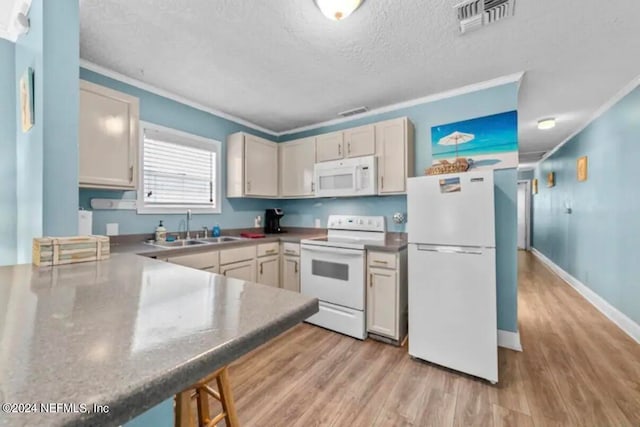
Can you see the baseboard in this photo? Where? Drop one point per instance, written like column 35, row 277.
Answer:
column 510, row 340
column 627, row 325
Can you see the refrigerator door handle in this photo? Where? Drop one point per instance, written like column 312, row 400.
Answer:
column 449, row 250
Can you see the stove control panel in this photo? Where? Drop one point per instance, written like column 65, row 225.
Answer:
column 357, row 223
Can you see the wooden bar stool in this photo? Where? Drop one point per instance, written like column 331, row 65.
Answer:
column 201, row 392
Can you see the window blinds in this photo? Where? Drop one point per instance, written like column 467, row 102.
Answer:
column 178, row 174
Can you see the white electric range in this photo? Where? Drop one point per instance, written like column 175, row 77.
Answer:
column 333, row 270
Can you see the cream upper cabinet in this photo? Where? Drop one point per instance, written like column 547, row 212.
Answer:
column 252, row 166
column 269, row 271
column 297, row 159
column 291, row 273
column 382, row 302
column 108, row 138
column 330, row 146
column 360, row 141
column 394, row 148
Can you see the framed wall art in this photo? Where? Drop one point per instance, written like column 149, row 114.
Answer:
column 26, row 100
column 582, row 168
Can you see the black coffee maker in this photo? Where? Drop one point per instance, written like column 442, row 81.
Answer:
column 272, row 221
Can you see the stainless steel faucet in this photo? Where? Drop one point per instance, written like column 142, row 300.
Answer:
column 188, row 224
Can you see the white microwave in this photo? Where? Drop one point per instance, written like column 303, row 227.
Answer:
column 348, row 177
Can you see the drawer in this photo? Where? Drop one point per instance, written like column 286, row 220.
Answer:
column 265, row 249
column 201, row 261
column 244, row 253
column 382, row 259
column 291, row 249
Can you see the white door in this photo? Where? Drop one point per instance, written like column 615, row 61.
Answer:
column 245, row 270
column 452, row 308
column 456, row 209
column 291, row 273
column 382, row 302
column 108, row 137
column 360, row 141
column 269, row 271
column 261, row 167
column 523, row 214
column 297, row 159
column 329, row 146
column 391, row 150
column 333, row 275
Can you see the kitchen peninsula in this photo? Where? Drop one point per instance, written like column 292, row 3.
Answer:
column 126, row 333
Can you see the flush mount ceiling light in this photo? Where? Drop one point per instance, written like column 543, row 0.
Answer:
column 545, row 124
column 337, row 10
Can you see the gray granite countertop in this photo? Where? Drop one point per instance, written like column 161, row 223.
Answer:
column 394, row 242
column 128, row 332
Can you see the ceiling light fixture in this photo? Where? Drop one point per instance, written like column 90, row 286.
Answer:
column 337, row 10
column 545, row 124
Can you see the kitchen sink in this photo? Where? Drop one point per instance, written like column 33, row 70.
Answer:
column 222, row 239
column 180, row 243
column 196, row 242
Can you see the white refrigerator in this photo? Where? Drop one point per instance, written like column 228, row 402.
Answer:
column 452, row 272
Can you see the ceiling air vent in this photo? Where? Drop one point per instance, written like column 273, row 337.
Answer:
column 473, row 14
column 353, row 112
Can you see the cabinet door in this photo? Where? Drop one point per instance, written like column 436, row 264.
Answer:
column 261, row 167
column 296, row 167
column 269, row 271
column 245, row 270
column 329, row 147
column 360, row 141
column 382, row 302
column 391, row 147
column 291, row 273
column 108, row 138
column 202, row 261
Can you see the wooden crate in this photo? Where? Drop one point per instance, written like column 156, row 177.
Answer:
column 69, row 250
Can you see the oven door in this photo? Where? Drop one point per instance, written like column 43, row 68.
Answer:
column 334, row 275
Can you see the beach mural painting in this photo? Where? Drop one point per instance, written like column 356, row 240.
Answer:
column 489, row 142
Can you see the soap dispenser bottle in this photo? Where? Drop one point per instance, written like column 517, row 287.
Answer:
column 216, row 230
column 161, row 233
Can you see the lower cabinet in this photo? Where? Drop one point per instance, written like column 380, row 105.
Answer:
column 269, row 271
column 382, row 300
column 208, row 261
column 243, row 270
column 387, row 308
column 291, row 273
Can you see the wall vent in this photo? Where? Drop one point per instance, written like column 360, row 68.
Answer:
column 353, row 112
column 473, row 14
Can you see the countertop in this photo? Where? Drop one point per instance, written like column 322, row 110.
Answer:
column 128, row 332
column 394, row 242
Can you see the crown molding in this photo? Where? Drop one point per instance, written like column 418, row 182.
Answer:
column 511, row 78
column 170, row 95
column 499, row 81
column 626, row 90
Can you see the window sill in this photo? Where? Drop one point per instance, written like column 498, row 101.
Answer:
column 144, row 210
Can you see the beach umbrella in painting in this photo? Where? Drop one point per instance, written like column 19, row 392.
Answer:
column 456, row 138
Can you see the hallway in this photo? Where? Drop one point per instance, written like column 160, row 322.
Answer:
column 577, row 368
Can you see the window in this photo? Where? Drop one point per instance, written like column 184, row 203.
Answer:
column 178, row 171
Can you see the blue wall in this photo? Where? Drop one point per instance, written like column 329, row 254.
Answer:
column 156, row 109
column 8, row 213
column 424, row 116
column 525, row 175
column 598, row 242
column 29, row 151
column 61, row 56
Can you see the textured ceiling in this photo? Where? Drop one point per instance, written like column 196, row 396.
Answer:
column 281, row 65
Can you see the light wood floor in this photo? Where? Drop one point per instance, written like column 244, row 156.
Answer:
column 577, row 368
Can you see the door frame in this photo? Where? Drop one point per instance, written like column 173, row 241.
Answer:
column 527, row 212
